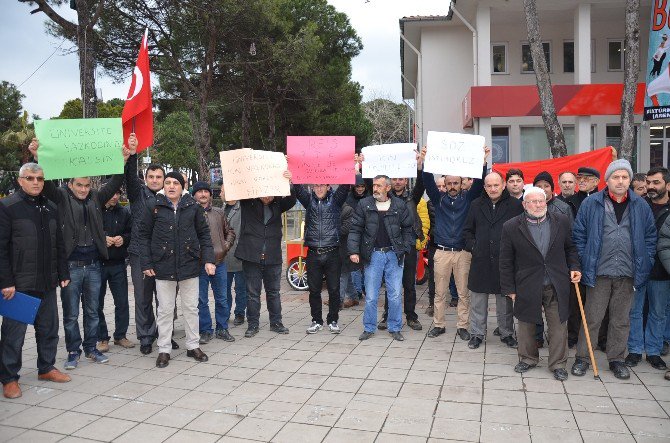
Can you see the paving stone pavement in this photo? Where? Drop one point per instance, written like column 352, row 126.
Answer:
column 333, row 388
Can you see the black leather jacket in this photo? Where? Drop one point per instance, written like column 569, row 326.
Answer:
column 322, row 217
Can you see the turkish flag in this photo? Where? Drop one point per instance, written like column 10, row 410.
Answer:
column 137, row 113
column 598, row 159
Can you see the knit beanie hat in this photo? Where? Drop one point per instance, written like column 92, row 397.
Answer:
column 544, row 175
column 202, row 185
column 617, row 165
column 177, row 176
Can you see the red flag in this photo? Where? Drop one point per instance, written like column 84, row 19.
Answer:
column 598, row 159
column 137, row 113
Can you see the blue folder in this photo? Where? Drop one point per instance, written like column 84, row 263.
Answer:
column 21, row 307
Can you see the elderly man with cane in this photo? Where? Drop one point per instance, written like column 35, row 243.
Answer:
column 537, row 263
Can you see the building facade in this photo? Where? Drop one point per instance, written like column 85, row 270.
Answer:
column 471, row 71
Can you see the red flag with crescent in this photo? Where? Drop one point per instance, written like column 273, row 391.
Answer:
column 137, row 113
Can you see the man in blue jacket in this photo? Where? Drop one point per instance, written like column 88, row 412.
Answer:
column 451, row 210
column 615, row 237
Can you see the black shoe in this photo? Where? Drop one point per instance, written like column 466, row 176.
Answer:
column 666, row 348
column 414, row 325
column 572, row 344
column 163, row 359
column 224, row 335
column 239, row 319
column 453, row 303
column 522, row 367
column 197, row 355
column 579, row 367
column 174, row 344
column 251, row 331
column 539, row 344
column 279, row 328
column 602, row 345
column 632, row 359
column 474, row 342
column 365, row 335
column 656, row 362
column 620, row 370
column 496, row 332
column 205, row 337
column 463, row 333
column 397, row 336
column 430, row 310
column 145, row 349
column 382, row 325
column 436, row 332
column 510, row 342
column 560, row 374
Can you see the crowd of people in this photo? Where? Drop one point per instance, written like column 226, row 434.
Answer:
column 534, row 249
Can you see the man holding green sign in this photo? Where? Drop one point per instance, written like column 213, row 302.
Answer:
column 80, row 215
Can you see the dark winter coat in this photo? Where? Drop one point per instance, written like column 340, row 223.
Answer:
column 32, row 251
column 255, row 232
column 451, row 213
column 69, row 207
column 174, row 242
column 346, row 220
column 658, row 271
column 138, row 196
column 117, row 220
column 587, row 233
column 322, row 216
column 523, row 268
column 398, row 223
column 481, row 235
column 412, row 198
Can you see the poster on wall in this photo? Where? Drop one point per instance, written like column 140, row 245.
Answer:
column 657, row 97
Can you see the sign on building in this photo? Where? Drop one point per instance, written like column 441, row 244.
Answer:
column 657, row 98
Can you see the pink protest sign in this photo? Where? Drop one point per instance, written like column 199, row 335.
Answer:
column 321, row 160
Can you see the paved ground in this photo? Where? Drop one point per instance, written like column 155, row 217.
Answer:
column 333, row 388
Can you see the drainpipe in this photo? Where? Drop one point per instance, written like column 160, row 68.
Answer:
column 474, row 42
column 411, row 111
column 419, row 81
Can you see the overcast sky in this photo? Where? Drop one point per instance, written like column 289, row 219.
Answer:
column 27, row 46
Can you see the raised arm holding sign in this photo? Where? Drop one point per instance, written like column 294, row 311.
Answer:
column 248, row 173
column 392, row 160
column 454, row 154
column 321, row 160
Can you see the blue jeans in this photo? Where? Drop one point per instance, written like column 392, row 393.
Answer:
column 117, row 276
column 84, row 288
column 221, row 308
column 383, row 265
column 347, row 287
column 636, row 334
column 658, row 294
column 357, row 280
column 240, row 293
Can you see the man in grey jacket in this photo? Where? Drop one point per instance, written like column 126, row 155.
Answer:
column 234, row 264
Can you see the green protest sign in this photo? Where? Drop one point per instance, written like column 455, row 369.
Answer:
column 80, row 147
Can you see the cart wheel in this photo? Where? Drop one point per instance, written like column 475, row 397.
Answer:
column 296, row 275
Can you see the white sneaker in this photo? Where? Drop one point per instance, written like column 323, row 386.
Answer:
column 334, row 328
column 314, row 328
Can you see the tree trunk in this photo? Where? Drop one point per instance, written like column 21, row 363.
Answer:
column 246, row 122
column 631, row 69
column 203, row 143
column 555, row 136
column 86, row 68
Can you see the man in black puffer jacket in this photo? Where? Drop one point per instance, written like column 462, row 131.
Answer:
column 175, row 235
column 481, row 233
column 381, row 235
column 32, row 259
column 322, row 225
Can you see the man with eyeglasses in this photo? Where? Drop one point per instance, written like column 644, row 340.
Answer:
column 80, row 215
column 587, row 182
column 537, row 263
column 32, row 259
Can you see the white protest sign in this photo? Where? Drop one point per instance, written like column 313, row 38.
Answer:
column 248, row 173
column 396, row 160
column 454, row 154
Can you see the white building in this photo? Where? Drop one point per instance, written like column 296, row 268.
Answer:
column 471, row 71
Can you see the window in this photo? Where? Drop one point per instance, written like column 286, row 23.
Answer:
column 615, row 55
column 535, row 146
column 569, row 56
column 527, row 59
column 613, row 138
column 500, row 144
column 499, row 58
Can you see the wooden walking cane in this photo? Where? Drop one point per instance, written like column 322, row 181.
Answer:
column 586, row 332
